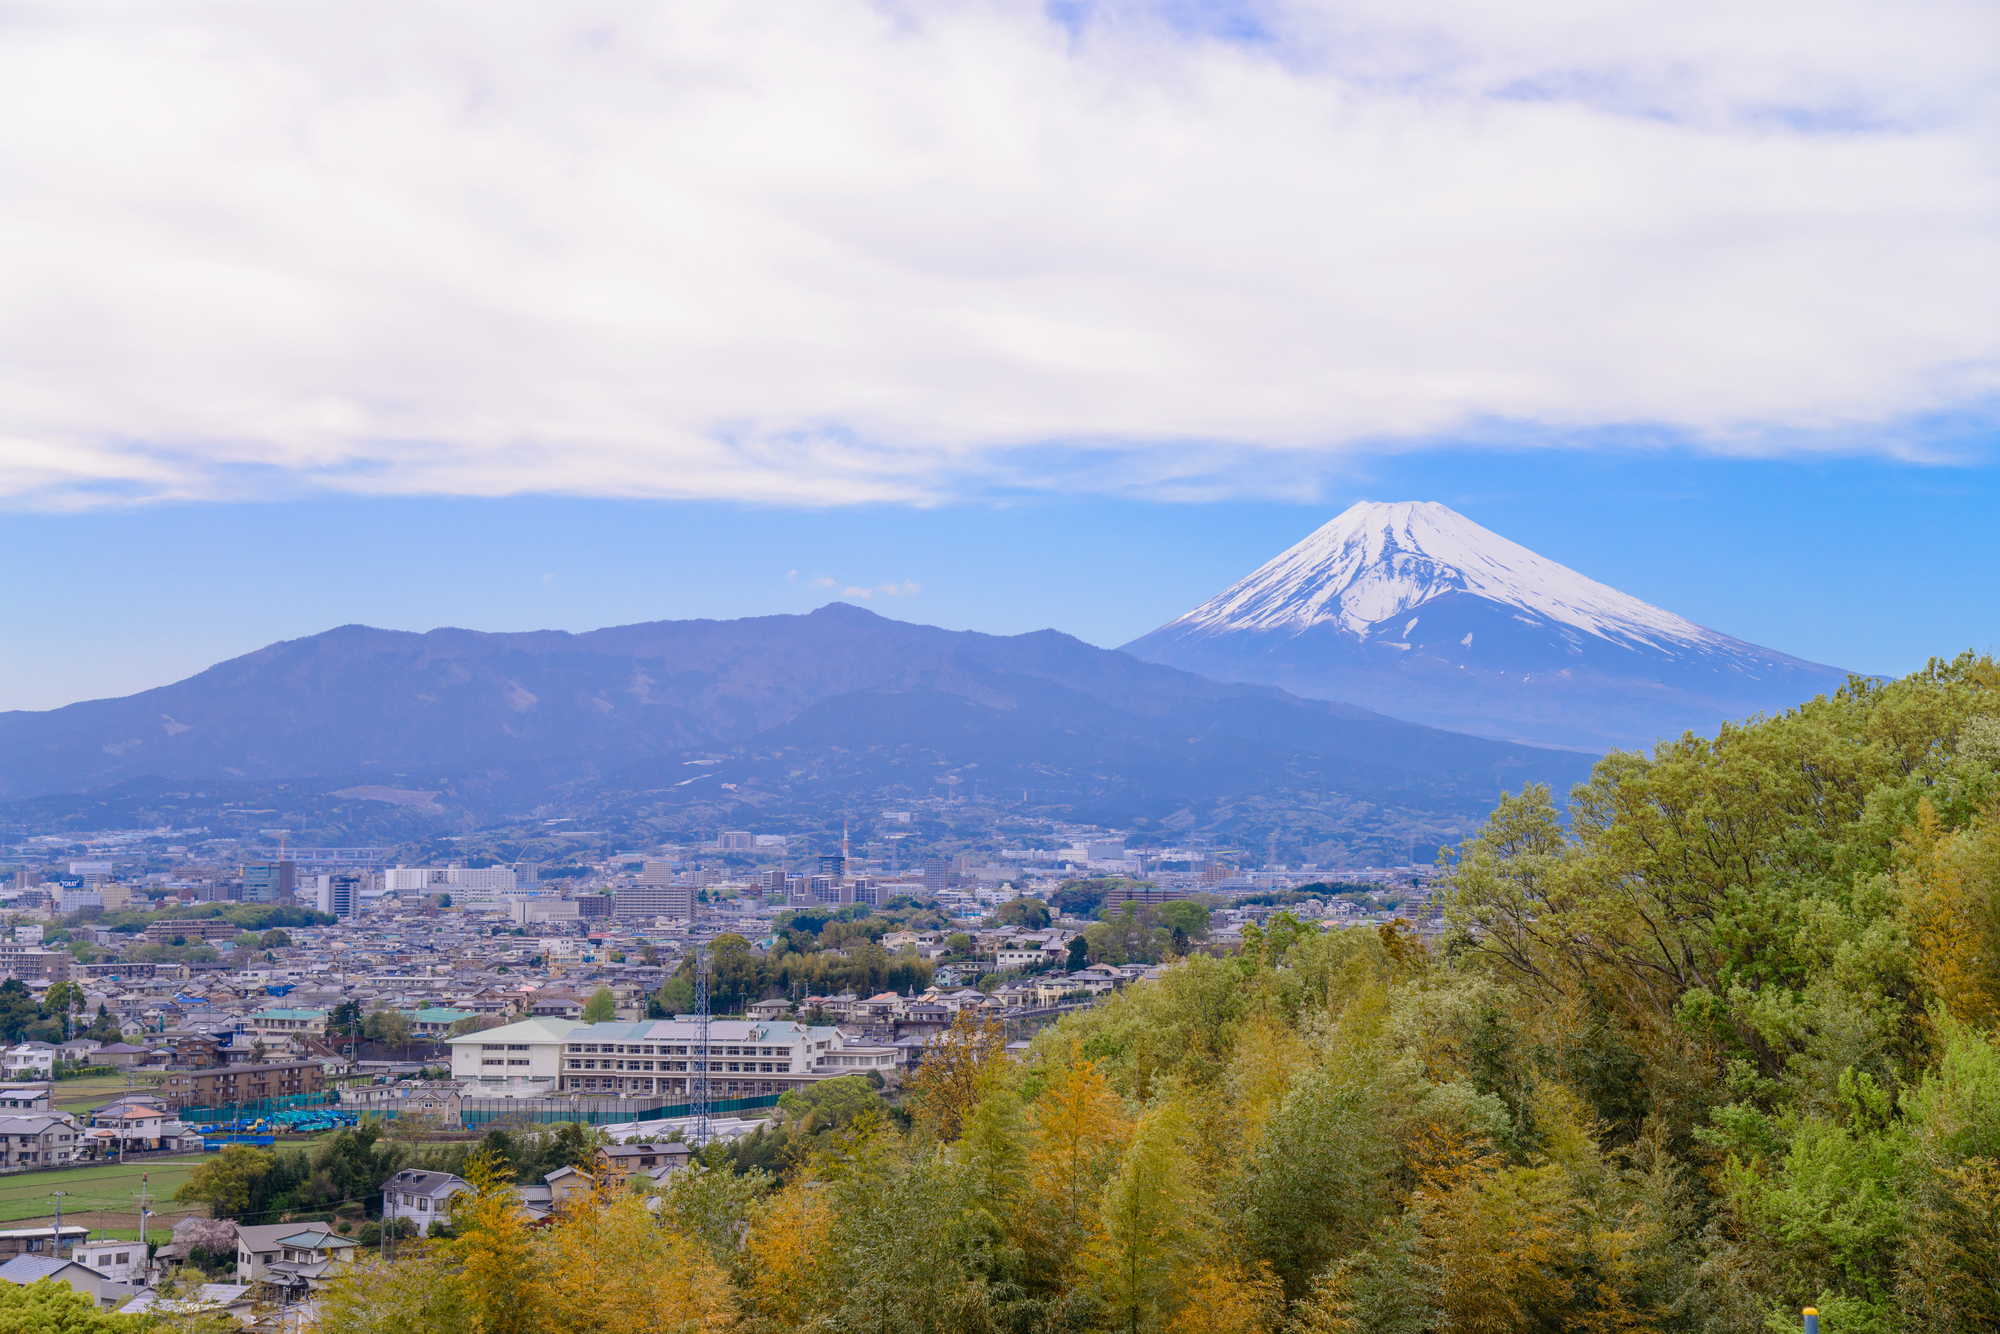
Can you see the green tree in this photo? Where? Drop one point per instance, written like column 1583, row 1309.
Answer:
column 391, row 1028
column 65, row 1001
column 1022, row 911
column 1154, row 1224
column 831, row 1102
column 48, row 1307
column 17, row 1009
column 1187, row 917
column 601, row 1008
column 225, row 1183
column 344, row 1020
column 1321, row 1175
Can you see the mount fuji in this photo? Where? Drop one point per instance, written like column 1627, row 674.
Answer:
column 1414, row 610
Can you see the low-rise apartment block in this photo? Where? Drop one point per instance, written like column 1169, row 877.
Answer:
column 241, row 1083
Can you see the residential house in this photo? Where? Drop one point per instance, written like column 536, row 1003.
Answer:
column 436, row 1021
column 119, row 1055
column 136, row 1123
column 24, row 1098
column 556, row 1005
column 38, row 1240
column 567, row 1183
column 1030, row 953
column 617, row 1162
column 436, row 1098
column 193, row 1050
column 37, row 1141
column 104, row 1292
column 1016, row 995
column 257, row 1248
column 30, row 1060
column 278, row 1027
column 232, row 1301
column 1053, row 987
column 880, row 1008
column 78, row 1051
column 120, row 1261
column 292, row 1255
column 922, row 1018
column 422, row 1197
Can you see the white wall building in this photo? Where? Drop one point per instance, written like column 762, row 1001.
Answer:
column 31, row 1060
column 746, row 1058
column 481, row 878
column 409, row 879
column 422, row 1197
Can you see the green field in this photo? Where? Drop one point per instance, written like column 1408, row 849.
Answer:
column 82, row 1096
column 103, row 1196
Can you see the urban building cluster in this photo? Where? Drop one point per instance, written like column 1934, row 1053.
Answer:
column 466, row 995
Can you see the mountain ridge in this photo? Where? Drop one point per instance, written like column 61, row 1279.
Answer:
column 828, row 711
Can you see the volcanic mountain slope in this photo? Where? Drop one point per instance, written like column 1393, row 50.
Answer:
column 1413, row 610
column 724, row 719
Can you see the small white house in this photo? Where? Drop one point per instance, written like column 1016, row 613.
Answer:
column 31, row 1060
column 422, row 1197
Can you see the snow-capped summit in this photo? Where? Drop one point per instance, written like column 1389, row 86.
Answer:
column 1413, row 609
column 1378, row 560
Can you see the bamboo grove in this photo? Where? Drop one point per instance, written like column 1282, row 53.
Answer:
column 1710, row 1041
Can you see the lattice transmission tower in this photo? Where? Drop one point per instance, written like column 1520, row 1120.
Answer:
column 699, row 1101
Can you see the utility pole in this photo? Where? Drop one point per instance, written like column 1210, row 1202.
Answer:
column 58, row 1246
column 144, row 1212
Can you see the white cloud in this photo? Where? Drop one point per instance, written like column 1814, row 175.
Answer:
column 827, row 251
column 908, row 588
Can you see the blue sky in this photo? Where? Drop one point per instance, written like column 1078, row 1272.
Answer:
column 513, row 315
column 1862, row 563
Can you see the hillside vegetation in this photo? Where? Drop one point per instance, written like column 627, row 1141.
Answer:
column 1716, row 1046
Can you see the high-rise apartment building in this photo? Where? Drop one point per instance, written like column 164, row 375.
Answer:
column 339, row 893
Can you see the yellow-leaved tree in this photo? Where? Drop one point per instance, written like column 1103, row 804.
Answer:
column 1948, row 881
column 958, row 1065
column 611, row 1268
column 418, row 1294
column 780, row 1290
column 500, row 1268
column 1076, row 1130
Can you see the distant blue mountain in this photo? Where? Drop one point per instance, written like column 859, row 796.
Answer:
column 725, row 720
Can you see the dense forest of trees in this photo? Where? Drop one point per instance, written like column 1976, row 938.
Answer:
column 1712, row 1041
column 844, row 957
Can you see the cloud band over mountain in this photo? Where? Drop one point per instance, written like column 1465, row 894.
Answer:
column 834, row 252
